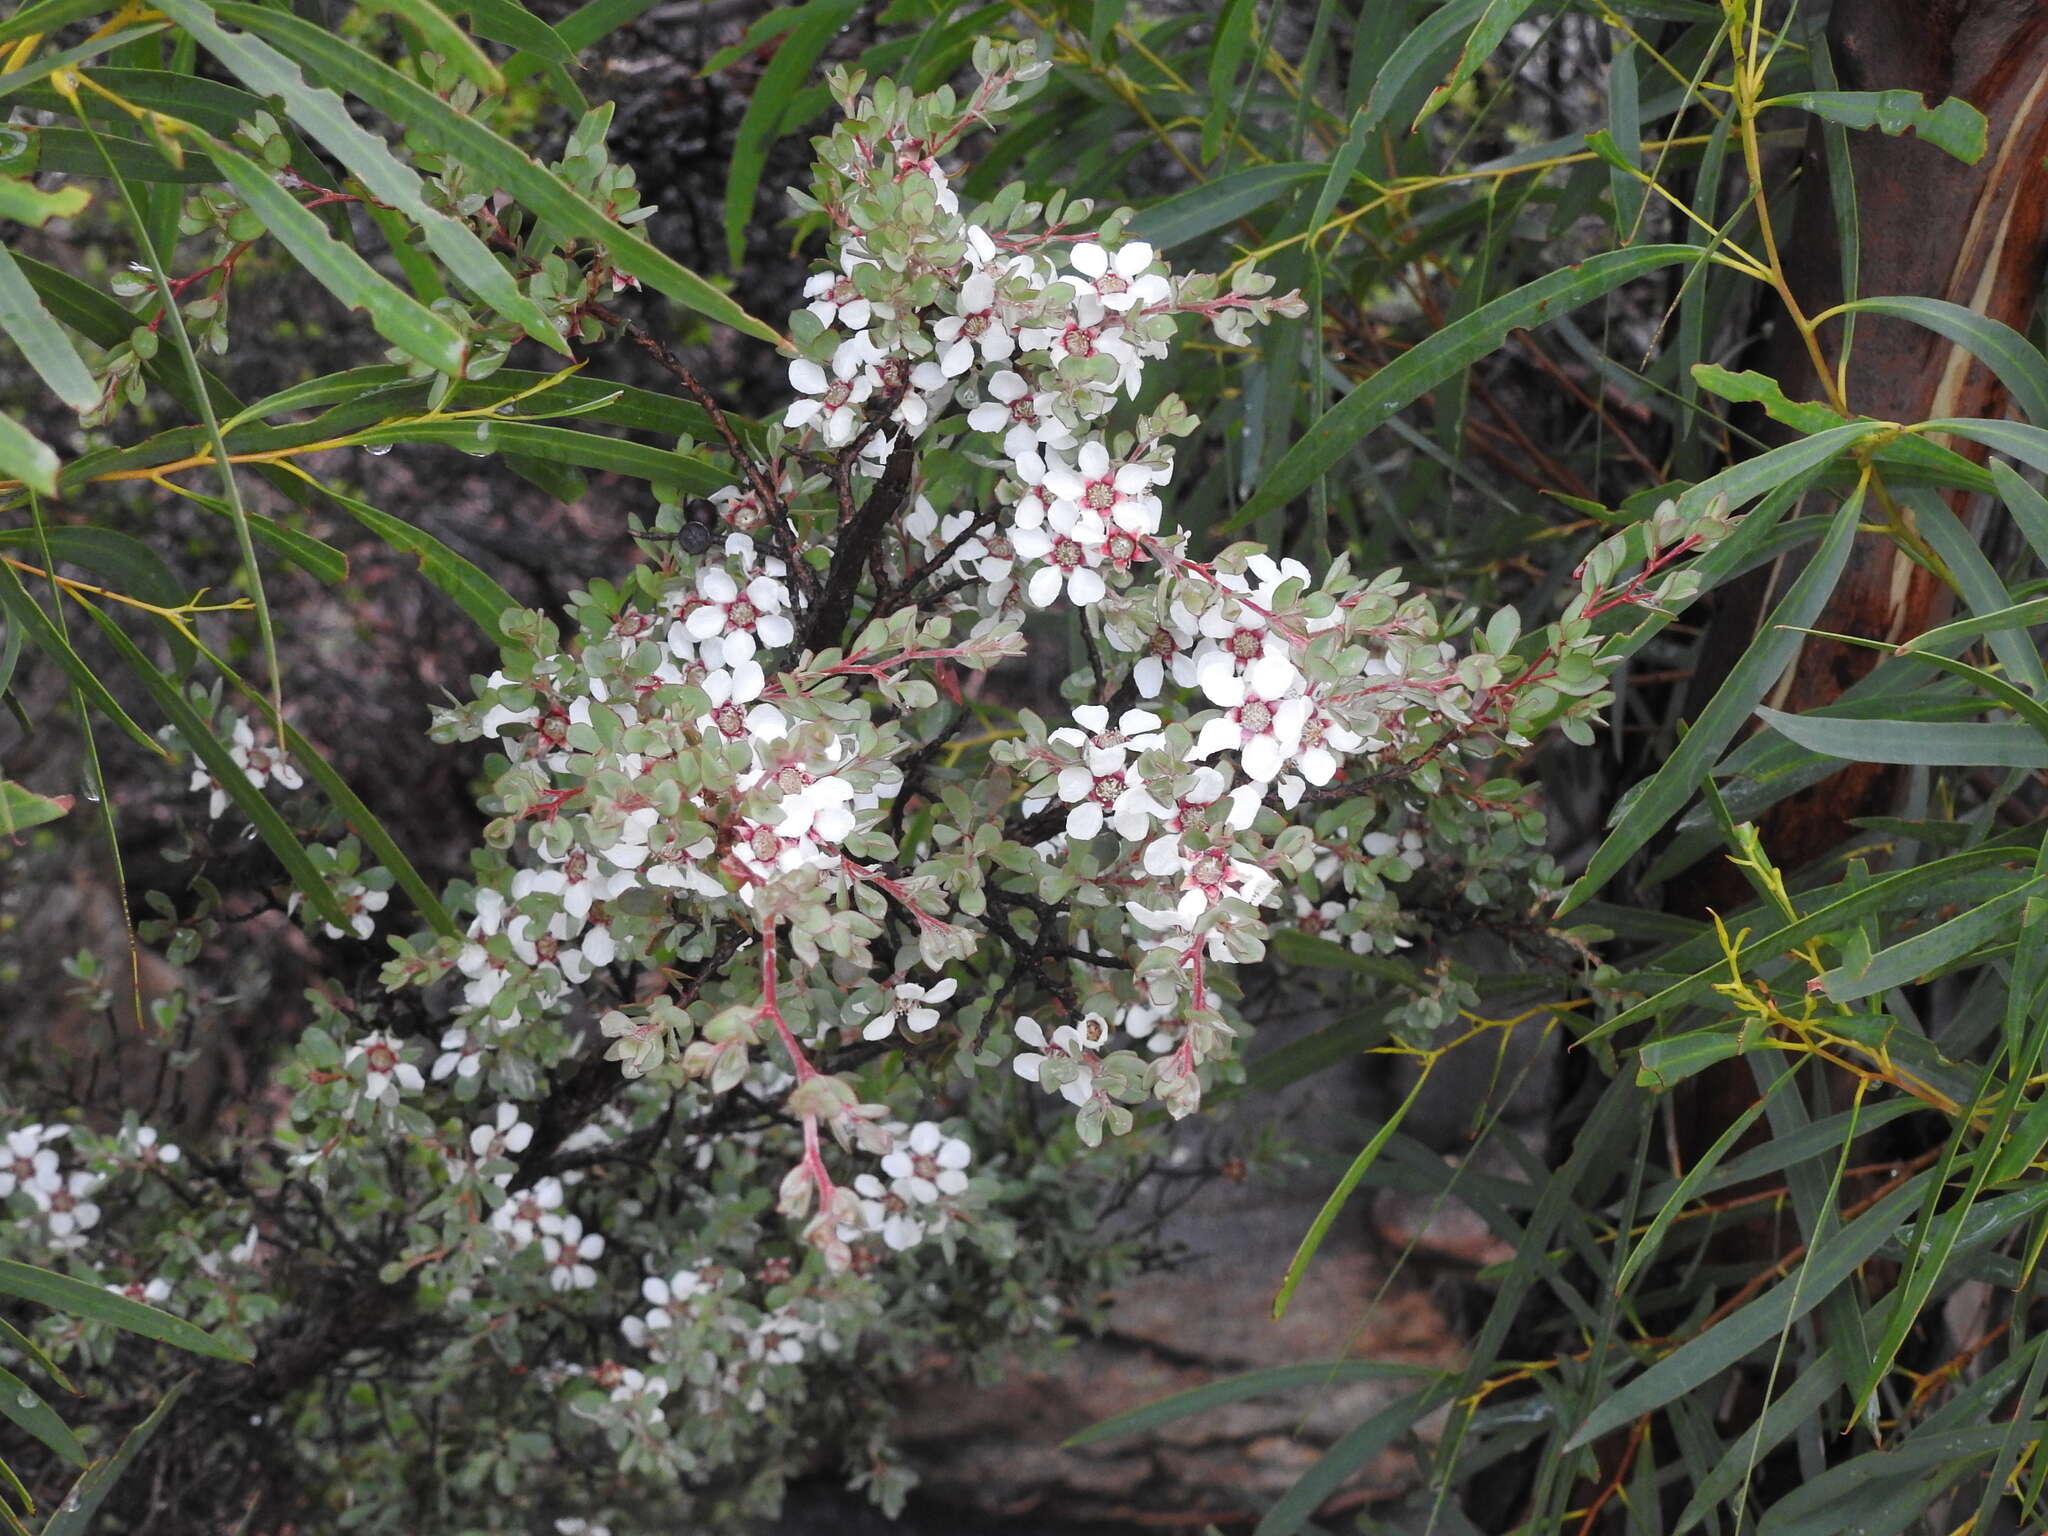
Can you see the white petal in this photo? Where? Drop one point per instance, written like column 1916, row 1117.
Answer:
column 1263, row 758
column 1089, row 259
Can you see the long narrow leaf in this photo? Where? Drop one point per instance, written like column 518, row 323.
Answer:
column 325, row 116
column 1949, row 744
column 213, row 752
column 492, row 158
column 1701, row 1359
column 476, row 593
column 1664, row 794
column 41, row 340
column 25, row 1407
column 74, row 1517
column 96, row 1304
column 1236, row 1389
column 1443, row 356
column 38, row 628
column 399, row 318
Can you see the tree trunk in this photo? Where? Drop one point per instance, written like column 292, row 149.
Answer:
column 1975, row 235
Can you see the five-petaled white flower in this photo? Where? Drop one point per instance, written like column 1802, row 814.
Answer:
column 884, row 1211
column 68, row 1208
column 462, row 1054
column 832, row 401
column 386, row 1072
column 569, row 1251
column 504, row 1135
column 151, row 1149
column 530, row 1213
column 928, row 1164
column 910, row 1006
column 28, row 1163
column 1065, row 1042
column 1118, row 282
column 1026, row 417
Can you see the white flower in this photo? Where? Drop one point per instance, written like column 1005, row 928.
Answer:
column 728, row 620
column 577, row 882
column 1260, row 722
column 1026, row 417
column 1117, row 281
column 258, row 764
column 1407, row 847
column 833, row 399
column 498, row 716
column 504, row 1135
column 386, row 1072
column 779, row 1338
column 1212, row 875
column 461, row 1054
column 530, row 1213
column 731, row 691
column 885, row 1212
column 911, row 1008
column 68, row 1208
column 1107, row 746
column 1094, row 332
column 836, row 298
column 635, row 1388
column 1322, row 741
column 154, row 1292
column 670, row 1297
column 1069, row 564
column 151, row 1149
column 1118, row 495
column 568, row 1252
column 357, row 902
column 1065, row 1042
column 928, row 1165
column 28, row 1164
column 1155, row 1026
column 977, row 324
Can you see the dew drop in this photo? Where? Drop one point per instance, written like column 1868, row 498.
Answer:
column 378, row 450
column 89, row 791
column 27, row 1399
column 248, row 834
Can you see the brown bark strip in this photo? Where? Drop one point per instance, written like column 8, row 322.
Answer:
column 1930, row 225
column 1975, row 235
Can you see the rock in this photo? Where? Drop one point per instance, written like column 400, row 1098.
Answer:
column 998, row 1450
